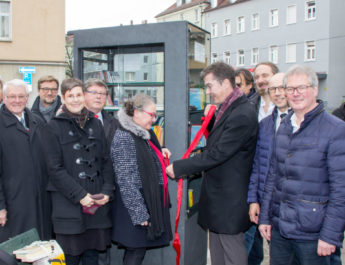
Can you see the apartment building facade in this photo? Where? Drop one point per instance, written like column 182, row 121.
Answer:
column 285, row 32
column 32, row 35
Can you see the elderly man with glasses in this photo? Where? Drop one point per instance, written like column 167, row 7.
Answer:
column 303, row 205
column 24, row 201
column 48, row 101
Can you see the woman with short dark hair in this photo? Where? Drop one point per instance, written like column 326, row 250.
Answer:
column 80, row 178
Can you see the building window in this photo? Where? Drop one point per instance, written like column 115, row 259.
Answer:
column 291, row 14
column 227, row 57
column 196, row 15
column 214, row 58
column 240, row 57
column 130, row 76
column 5, row 20
column 146, row 59
column 273, row 18
column 291, row 53
column 273, row 54
column 227, row 27
column 146, row 76
column 255, row 56
column 179, row 2
column 310, row 51
column 255, row 22
column 214, row 30
column 240, row 24
column 214, row 3
column 310, row 10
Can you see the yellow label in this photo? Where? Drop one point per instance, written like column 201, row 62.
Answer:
column 58, row 260
column 191, row 198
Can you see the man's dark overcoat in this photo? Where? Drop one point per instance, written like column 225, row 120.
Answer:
column 23, row 176
column 227, row 162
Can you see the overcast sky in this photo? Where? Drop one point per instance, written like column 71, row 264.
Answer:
column 83, row 14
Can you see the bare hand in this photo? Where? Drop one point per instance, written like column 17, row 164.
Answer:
column 3, row 217
column 325, row 249
column 166, row 152
column 102, row 201
column 170, row 171
column 265, row 231
column 87, row 201
column 146, row 223
column 207, row 109
column 254, row 212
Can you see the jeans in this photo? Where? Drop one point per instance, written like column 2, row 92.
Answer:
column 285, row 251
column 254, row 245
column 336, row 257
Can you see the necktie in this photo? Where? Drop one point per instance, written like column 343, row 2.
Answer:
column 282, row 115
column 22, row 120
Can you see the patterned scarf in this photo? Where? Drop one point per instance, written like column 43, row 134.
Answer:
column 235, row 94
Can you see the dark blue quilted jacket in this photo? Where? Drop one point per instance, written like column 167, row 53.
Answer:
column 262, row 157
column 304, row 194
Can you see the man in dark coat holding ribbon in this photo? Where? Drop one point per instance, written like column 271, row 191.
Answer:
column 24, row 202
column 227, row 161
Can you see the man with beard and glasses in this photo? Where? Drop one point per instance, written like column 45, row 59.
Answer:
column 48, row 101
column 262, row 74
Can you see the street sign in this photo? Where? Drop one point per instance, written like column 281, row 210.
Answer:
column 27, row 69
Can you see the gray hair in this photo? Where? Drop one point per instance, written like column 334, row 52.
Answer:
column 302, row 70
column 95, row 82
column 16, row 83
column 139, row 101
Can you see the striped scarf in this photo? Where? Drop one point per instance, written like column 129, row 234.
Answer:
column 235, row 94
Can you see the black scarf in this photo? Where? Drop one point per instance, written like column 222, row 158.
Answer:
column 79, row 117
column 153, row 192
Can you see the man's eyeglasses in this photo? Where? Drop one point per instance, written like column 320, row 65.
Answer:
column 152, row 114
column 95, row 93
column 47, row 89
column 20, row 97
column 275, row 88
column 300, row 89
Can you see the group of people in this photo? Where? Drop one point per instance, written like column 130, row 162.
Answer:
column 73, row 171
column 274, row 169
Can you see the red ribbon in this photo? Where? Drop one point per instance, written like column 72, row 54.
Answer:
column 163, row 166
column 202, row 131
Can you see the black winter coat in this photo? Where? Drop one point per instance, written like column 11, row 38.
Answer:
column 78, row 163
column 227, row 161
column 23, row 176
column 340, row 112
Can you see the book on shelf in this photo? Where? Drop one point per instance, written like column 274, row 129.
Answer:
column 106, row 76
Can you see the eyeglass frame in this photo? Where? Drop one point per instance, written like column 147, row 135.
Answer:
column 290, row 89
column 274, row 88
column 95, row 93
column 152, row 114
column 47, row 89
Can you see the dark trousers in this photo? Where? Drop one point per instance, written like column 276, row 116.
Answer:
column 285, row 251
column 227, row 249
column 254, row 245
column 89, row 257
column 134, row 256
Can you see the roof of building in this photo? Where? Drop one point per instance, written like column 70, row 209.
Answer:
column 174, row 8
column 225, row 3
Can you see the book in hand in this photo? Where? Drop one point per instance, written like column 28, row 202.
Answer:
column 93, row 208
